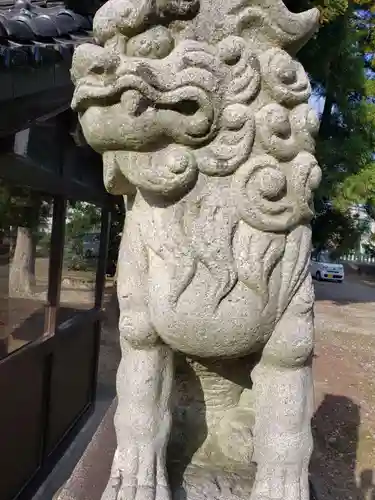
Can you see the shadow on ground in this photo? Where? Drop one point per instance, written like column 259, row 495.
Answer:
column 336, row 431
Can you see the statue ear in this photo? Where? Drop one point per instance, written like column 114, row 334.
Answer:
column 115, row 181
column 272, row 18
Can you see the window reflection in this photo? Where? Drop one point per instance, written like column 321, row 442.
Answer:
column 25, row 231
column 81, row 256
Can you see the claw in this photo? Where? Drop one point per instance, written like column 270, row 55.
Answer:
column 281, row 483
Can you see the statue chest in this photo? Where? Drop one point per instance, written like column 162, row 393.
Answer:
column 216, row 285
column 200, row 320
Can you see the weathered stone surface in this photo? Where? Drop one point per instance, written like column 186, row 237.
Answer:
column 200, row 112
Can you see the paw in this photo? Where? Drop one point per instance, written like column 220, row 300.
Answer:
column 118, row 489
column 281, row 482
column 140, row 475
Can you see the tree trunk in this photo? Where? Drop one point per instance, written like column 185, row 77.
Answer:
column 22, row 271
column 325, row 120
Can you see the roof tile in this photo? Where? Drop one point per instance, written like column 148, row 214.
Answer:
column 29, row 31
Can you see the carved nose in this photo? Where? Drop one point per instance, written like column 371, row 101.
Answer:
column 92, row 59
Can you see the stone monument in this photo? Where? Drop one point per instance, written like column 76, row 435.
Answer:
column 200, row 112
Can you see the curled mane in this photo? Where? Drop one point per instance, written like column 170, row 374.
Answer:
column 188, row 235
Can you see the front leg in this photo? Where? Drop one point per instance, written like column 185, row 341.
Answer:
column 144, row 386
column 142, row 422
column 284, row 404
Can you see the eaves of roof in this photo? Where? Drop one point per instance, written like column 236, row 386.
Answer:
column 33, row 33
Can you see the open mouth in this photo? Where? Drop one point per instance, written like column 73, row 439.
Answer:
column 187, row 107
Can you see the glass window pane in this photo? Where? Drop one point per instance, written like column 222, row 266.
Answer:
column 25, row 232
column 81, row 255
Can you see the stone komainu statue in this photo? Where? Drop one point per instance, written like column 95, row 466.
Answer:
column 201, row 114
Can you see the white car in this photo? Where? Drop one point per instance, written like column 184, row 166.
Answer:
column 323, row 267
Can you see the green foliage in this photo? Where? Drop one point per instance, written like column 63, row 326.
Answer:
column 341, row 61
column 370, row 247
column 75, row 258
column 82, row 218
column 23, row 207
column 336, row 230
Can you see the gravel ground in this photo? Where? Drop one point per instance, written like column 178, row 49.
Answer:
column 344, row 373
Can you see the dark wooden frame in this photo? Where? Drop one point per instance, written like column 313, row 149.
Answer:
column 61, row 366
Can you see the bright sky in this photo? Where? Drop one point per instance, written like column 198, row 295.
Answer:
column 317, row 102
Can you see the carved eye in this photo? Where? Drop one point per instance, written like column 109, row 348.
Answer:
column 156, row 43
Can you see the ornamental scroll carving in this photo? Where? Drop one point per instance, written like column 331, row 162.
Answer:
column 200, row 111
